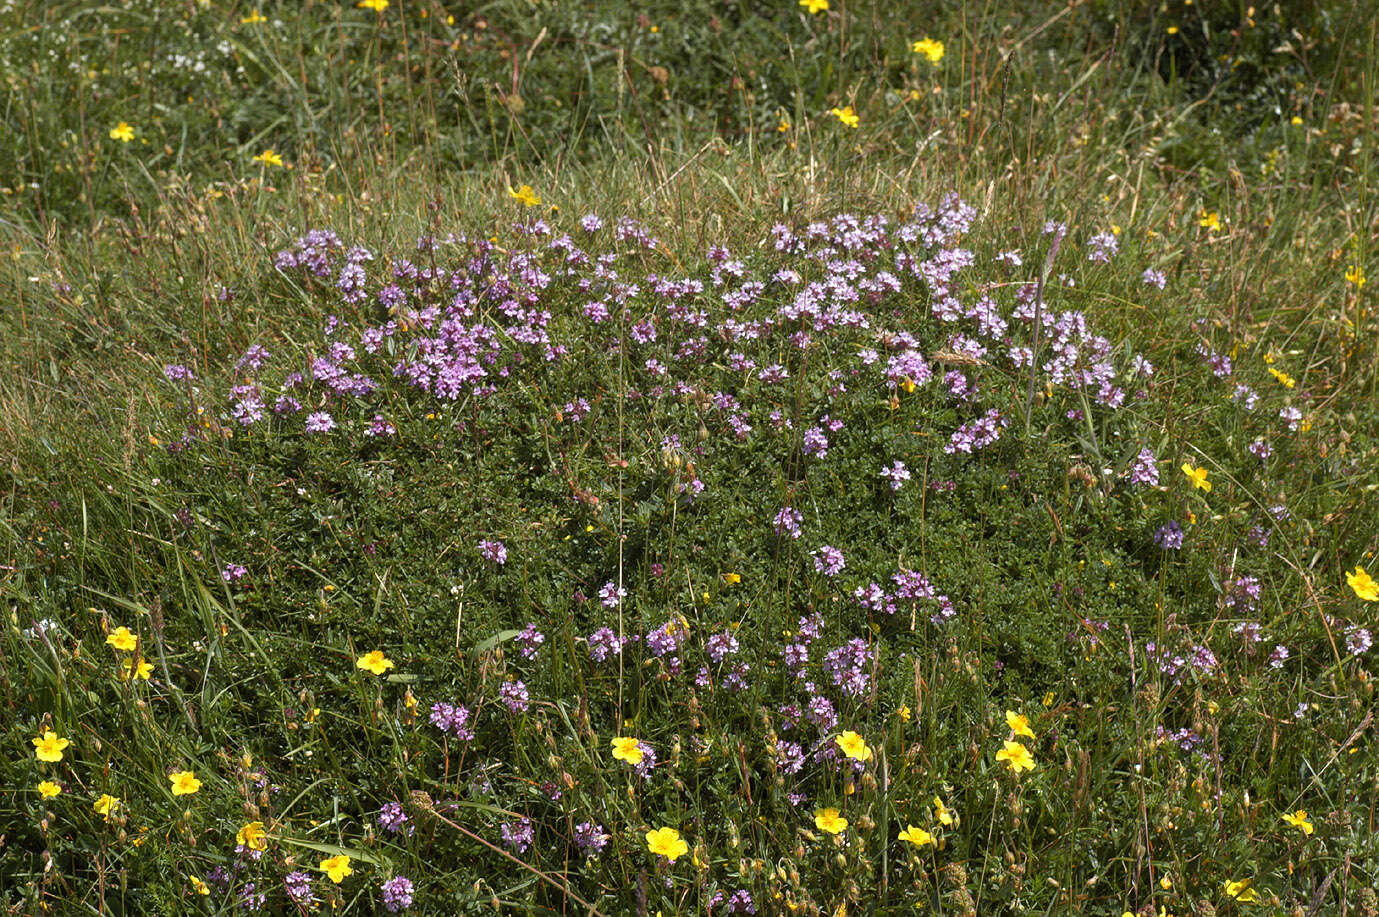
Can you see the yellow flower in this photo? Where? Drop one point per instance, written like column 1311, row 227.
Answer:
column 814, row 7
column 253, row 18
column 929, row 48
column 1173, row 30
column 1295, row 120
column 374, row 661
column 1048, row 699
column 337, row 867
column 377, row 6
column 524, row 196
column 1299, row 820
column 1242, row 891
column 1355, row 274
column 829, row 820
column 903, row 711
column 184, row 783
column 1198, row 476
column 1017, row 756
column 845, row 115
column 105, row 805
column 853, row 746
column 48, row 747
column 129, row 668
column 122, row 132
column 917, row 836
column 48, row 789
column 1363, row 584
column 1210, row 220
column 941, row 812
column 252, row 836
column 1287, row 380
column 201, row 887
column 629, row 750
column 732, row 579
column 666, row 842
column 122, row 639
column 269, row 158
column 1019, row 724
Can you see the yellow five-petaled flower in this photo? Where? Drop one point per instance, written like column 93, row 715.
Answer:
column 814, row 7
column 49, row 746
column 48, row 789
column 184, row 783
column 854, row 746
column 121, row 638
column 105, row 805
column 1198, row 476
column 1209, row 220
column 1299, row 820
column 1284, row 379
column 524, row 196
column 629, row 750
column 1363, row 584
column 845, row 115
column 917, row 836
column 374, row 661
column 1019, row 724
column 269, row 158
column 666, row 842
column 929, row 48
column 942, row 813
column 141, row 669
column 337, row 867
column 377, row 6
column 122, row 132
column 829, row 820
column 1016, row 756
column 252, row 836
column 1242, row 891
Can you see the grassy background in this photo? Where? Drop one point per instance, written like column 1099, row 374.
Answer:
column 709, row 122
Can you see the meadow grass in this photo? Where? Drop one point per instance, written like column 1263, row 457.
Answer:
column 381, row 533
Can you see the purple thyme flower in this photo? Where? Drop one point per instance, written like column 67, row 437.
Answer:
column 250, row 898
column 452, row 719
column 392, row 818
column 319, row 422
column 788, row 521
column 720, row 646
column 1153, row 278
column 897, row 474
column 1145, row 470
column 1103, row 246
column 590, row 839
column 298, row 886
column 519, row 834
column 493, row 551
column 829, row 561
column 1169, row 537
column 397, row 894
column 1358, row 640
column 530, row 640
column 611, row 596
column 233, row 572
column 603, row 643
column 847, row 666
column 514, row 695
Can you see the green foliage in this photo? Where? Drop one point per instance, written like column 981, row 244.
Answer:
column 131, row 256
